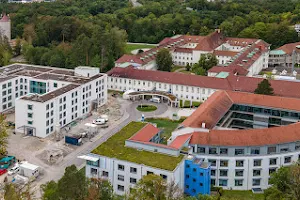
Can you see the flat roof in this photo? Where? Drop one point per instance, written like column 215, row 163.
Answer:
column 28, row 165
column 115, row 147
column 44, row 73
column 50, row 95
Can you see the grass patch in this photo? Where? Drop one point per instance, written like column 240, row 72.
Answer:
column 82, row 170
column 114, row 147
column 175, row 67
column 131, row 47
column 146, row 108
column 241, row 195
column 167, row 125
column 187, row 104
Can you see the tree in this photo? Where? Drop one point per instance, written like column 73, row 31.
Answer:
column 72, row 186
column 206, row 62
column 154, row 187
column 285, row 184
column 100, row 190
column 264, row 87
column 164, row 60
column 3, row 135
column 188, row 67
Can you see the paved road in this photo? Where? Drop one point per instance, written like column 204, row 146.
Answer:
column 130, row 114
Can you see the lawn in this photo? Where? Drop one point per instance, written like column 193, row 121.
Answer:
column 241, row 195
column 174, row 68
column 114, row 147
column 146, row 108
column 167, row 125
column 131, row 47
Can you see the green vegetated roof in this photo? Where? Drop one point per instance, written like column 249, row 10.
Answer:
column 114, row 147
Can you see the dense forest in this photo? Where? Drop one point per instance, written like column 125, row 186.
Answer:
column 68, row 33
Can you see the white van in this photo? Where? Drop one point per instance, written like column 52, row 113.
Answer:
column 155, row 100
column 105, row 117
column 99, row 121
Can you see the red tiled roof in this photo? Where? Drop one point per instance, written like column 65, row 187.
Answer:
column 288, row 48
column 210, row 42
column 240, row 41
column 231, row 69
column 210, row 112
column 251, row 137
column 180, row 141
column 145, row 134
column 129, row 58
column 225, row 53
column 184, row 50
column 233, row 83
column 193, row 38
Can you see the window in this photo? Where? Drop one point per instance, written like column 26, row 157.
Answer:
column 239, row 163
column 212, row 150
column 239, row 151
column 222, row 182
column 29, row 115
column 272, row 170
column 194, row 169
column 187, row 186
column 94, row 171
column 133, row 180
column 273, row 161
column 187, row 166
column 257, row 163
column 255, row 182
column 255, row 151
column 148, row 172
column 271, row 150
column 288, row 159
column 239, row 172
column 282, row 150
column 256, row 172
column 29, row 122
column 120, row 177
column 212, row 172
column 201, row 150
column 223, row 151
column 201, row 184
column 105, row 174
column 121, row 167
column 164, row 176
column 213, row 163
column 29, row 107
column 223, row 172
column 238, row 182
column 133, row 170
column 121, row 188
column 223, row 163
column 213, row 182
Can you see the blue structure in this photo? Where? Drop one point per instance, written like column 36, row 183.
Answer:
column 197, row 176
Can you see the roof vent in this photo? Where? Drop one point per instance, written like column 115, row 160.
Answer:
column 203, row 125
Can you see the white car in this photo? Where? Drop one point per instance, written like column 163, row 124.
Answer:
column 99, row 121
column 14, row 170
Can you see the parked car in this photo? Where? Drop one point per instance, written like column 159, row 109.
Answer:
column 105, row 117
column 14, row 170
column 3, row 171
column 99, row 121
column 155, row 100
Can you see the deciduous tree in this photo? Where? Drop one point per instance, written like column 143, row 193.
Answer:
column 164, row 60
column 264, row 87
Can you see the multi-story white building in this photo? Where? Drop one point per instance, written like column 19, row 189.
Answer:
column 245, row 137
column 139, row 155
column 248, row 54
column 190, row 87
column 47, row 98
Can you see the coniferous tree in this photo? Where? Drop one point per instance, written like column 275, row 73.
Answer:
column 264, row 87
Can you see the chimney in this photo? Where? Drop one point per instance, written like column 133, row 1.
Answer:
column 203, row 124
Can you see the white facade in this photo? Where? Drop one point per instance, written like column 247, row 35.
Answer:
column 183, row 92
column 124, row 175
column 254, row 172
column 64, row 96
